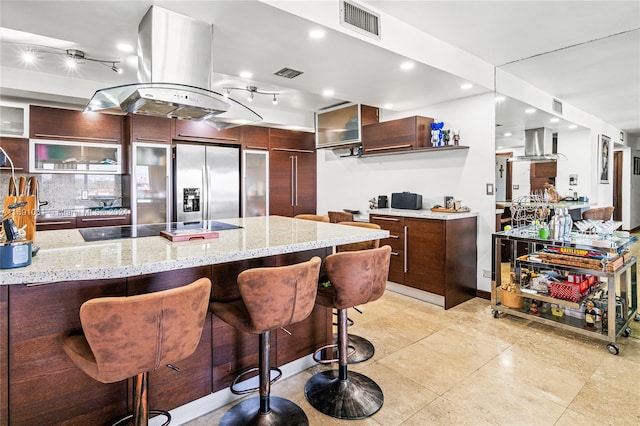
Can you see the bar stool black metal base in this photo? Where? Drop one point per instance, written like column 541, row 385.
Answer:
column 363, row 348
column 356, row 398
column 128, row 419
column 282, row 412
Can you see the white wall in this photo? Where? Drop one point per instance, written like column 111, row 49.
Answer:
column 575, row 145
column 634, row 200
column 351, row 182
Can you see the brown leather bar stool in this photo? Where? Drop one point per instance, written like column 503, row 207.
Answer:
column 337, row 217
column 272, row 297
column 362, row 349
column 130, row 336
column 599, row 213
column 316, row 217
column 357, row 277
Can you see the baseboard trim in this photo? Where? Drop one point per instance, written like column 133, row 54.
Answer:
column 483, row 294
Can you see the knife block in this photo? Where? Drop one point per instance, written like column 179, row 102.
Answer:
column 22, row 216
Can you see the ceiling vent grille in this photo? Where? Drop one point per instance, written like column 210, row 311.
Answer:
column 556, row 106
column 288, row 73
column 359, row 19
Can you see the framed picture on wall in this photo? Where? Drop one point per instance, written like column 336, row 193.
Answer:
column 636, row 165
column 603, row 158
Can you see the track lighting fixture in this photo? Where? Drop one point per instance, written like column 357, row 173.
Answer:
column 72, row 57
column 253, row 90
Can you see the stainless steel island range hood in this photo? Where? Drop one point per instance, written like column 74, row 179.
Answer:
column 534, row 147
column 174, row 71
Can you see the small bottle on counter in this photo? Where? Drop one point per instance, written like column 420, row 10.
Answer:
column 554, row 226
column 568, row 223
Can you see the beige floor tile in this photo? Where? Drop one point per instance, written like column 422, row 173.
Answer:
column 445, row 412
column 385, row 341
column 603, row 399
column 504, row 403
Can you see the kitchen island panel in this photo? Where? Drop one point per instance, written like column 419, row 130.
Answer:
column 45, row 386
column 4, row 355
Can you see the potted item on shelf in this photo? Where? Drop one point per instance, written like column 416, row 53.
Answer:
column 509, row 296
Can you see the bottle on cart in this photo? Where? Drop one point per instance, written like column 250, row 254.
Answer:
column 557, row 225
column 568, row 223
column 561, row 222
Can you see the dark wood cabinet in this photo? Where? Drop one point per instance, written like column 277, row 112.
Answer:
column 401, row 135
column 145, row 128
column 64, row 124
column 292, row 173
column 201, row 131
column 254, row 137
column 53, row 223
column 541, row 173
column 18, row 151
column 433, row 255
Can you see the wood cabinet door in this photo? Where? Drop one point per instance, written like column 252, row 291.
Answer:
column 304, row 183
column 199, row 130
column 254, row 137
column 18, row 151
column 53, row 223
column 395, row 226
column 425, row 255
column 145, row 128
column 64, row 124
column 281, row 196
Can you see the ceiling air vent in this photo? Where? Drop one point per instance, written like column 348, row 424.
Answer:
column 288, row 73
column 359, row 19
column 556, row 106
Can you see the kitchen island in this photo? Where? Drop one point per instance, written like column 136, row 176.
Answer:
column 39, row 307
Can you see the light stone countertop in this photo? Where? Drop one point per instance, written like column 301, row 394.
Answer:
column 65, row 256
column 423, row 214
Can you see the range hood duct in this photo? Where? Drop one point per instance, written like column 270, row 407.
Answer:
column 174, row 73
column 534, row 143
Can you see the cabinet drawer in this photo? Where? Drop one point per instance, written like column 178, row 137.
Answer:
column 394, row 224
column 107, row 220
column 51, row 224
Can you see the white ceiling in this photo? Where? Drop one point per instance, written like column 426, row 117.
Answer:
column 601, row 77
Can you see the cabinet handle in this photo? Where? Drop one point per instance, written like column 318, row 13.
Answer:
column 385, row 218
column 382, row 148
column 102, row 219
column 406, row 240
column 293, row 150
column 394, row 236
column 62, row 222
column 394, row 253
column 9, row 168
column 257, row 147
column 151, row 140
column 186, row 135
column 80, row 138
column 291, row 158
column 296, row 162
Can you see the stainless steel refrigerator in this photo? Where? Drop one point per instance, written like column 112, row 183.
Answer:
column 206, row 182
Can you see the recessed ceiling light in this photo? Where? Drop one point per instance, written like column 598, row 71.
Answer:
column 499, row 98
column 125, row 47
column 246, row 74
column 554, row 120
column 500, row 147
column 573, row 126
column 28, row 57
column 507, row 134
column 316, row 34
column 530, row 110
column 466, row 86
column 71, row 64
column 387, row 106
column 328, row 92
column 407, row 65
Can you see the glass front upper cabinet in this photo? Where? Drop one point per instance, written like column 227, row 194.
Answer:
column 47, row 156
column 14, row 120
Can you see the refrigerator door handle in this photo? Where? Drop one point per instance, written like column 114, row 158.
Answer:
column 296, row 160
column 292, row 181
column 204, row 201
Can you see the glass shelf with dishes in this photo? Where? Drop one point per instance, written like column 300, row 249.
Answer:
column 48, row 156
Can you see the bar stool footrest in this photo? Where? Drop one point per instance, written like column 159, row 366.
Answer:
column 243, row 373
column 318, row 353
column 124, row 420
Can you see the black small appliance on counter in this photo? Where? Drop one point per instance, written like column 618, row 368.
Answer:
column 383, row 202
column 406, row 200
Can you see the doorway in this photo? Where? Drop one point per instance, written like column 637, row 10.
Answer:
column 503, row 176
column 617, row 185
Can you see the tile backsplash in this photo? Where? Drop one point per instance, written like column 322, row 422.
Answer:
column 64, row 191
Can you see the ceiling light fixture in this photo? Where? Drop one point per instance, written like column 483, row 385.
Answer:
column 499, row 98
column 466, row 86
column 530, row 110
column 554, row 120
column 316, row 34
column 72, row 57
column 328, row 92
column 407, row 66
column 253, row 90
column 246, row 74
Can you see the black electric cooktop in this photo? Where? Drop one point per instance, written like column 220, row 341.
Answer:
column 118, row 232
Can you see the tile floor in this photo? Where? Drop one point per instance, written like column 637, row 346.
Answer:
column 464, row 367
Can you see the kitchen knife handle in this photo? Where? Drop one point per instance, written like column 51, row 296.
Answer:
column 22, row 186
